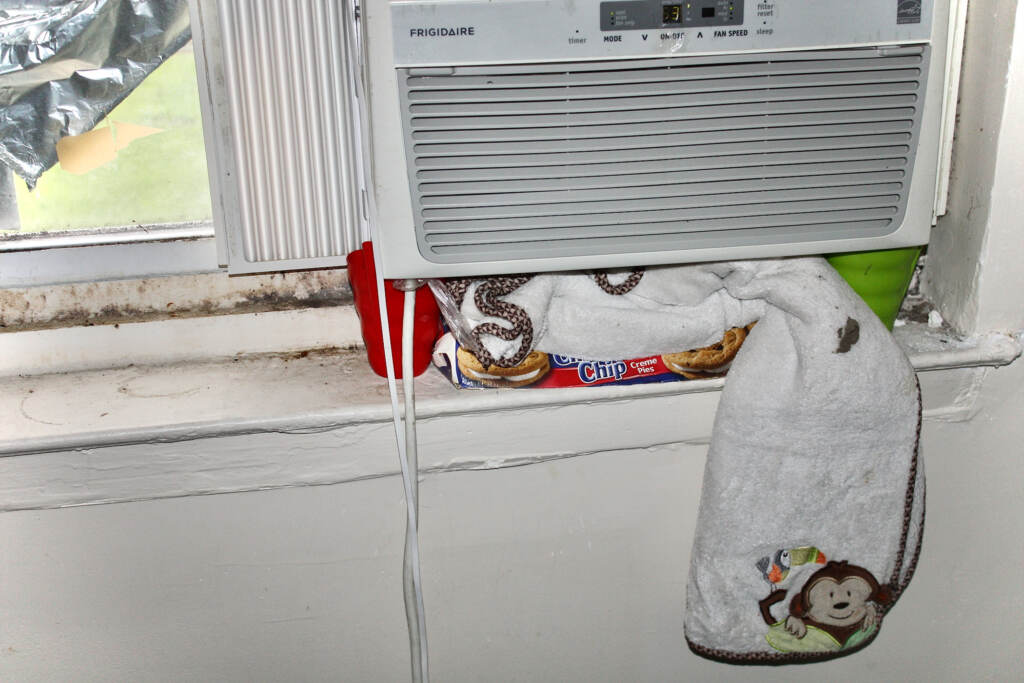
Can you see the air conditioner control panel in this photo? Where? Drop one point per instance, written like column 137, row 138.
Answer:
column 432, row 33
column 637, row 15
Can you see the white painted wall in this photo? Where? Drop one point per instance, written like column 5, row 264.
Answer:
column 975, row 251
column 1002, row 278
column 571, row 569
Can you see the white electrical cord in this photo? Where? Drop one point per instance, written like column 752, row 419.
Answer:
column 412, row 584
column 414, row 611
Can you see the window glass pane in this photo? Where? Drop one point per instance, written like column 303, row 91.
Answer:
column 144, row 164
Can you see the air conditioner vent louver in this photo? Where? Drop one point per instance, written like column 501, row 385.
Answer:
column 672, row 153
column 284, row 117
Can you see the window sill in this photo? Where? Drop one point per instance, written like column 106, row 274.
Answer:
column 152, row 346
column 162, row 320
column 178, row 254
column 320, row 417
column 271, row 392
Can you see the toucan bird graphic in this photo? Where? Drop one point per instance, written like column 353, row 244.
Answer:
column 776, row 568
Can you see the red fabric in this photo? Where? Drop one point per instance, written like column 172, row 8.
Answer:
column 362, row 277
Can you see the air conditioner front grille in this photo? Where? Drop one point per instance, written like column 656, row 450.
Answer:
column 564, row 159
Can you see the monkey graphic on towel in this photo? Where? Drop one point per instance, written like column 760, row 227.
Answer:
column 837, row 608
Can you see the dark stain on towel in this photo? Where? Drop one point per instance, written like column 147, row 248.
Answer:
column 848, row 335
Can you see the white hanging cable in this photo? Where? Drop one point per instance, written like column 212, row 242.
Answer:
column 411, row 564
column 412, row 584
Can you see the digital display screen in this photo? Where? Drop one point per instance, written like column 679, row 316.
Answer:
column 641, row 15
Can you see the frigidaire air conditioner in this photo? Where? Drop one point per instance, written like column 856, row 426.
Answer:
column 532, row 135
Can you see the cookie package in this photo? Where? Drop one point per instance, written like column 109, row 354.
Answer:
column 543, row 370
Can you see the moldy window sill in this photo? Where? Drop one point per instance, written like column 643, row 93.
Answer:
column 322, row 388
column 163, row 320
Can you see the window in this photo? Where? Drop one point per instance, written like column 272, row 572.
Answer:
column 120, row 193
column 276, row 83
column 143, row 166
column 131, row 196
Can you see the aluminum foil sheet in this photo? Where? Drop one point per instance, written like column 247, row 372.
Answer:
column 65, row 64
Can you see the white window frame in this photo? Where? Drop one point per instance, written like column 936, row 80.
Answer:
column 104, row 254
column 68, row 257
column 114, row 253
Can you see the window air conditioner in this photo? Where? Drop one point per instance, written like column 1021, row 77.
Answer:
column 538, row 135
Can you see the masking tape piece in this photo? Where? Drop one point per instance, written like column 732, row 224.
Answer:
column 80, row 154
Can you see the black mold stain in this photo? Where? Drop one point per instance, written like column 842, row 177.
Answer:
column 317, row 299
column 257, row 300
column 849, row 334
column 916, row 312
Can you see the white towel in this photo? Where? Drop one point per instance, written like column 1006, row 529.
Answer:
column 812, row 509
